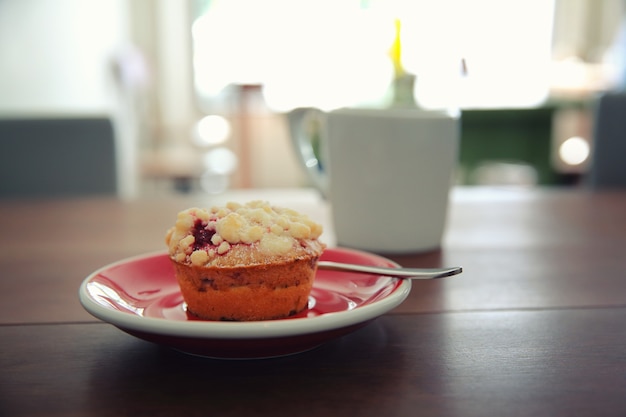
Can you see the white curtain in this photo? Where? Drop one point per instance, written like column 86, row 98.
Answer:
column 586, row 29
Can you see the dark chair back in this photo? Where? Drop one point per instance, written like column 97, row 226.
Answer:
column 608, row 165
column 41, row 157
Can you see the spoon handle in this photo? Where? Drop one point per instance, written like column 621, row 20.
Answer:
column 412, row 273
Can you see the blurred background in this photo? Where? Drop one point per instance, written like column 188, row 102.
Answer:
column 195, row 93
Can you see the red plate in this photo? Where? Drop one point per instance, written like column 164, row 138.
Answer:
column 140, row 296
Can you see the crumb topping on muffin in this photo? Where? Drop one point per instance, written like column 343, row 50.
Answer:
column 235, row 234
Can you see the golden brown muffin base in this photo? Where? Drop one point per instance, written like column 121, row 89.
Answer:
column 247, row 293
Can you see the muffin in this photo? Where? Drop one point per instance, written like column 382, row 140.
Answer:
column 244, row 262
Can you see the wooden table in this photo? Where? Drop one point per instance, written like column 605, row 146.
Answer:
column 535, row 326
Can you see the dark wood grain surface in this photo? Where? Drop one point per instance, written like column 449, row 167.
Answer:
column 536, row 324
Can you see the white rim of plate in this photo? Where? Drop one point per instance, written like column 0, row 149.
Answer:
column 239, row 330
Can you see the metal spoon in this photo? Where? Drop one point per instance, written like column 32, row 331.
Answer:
column 411, row 273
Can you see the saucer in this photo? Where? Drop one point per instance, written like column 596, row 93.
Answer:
column 140, row 296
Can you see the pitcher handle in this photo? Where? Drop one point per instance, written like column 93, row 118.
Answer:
column 303, row 146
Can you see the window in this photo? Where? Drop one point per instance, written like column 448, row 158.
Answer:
column 332, row 53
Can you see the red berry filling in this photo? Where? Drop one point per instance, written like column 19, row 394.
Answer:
column 202, row 235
